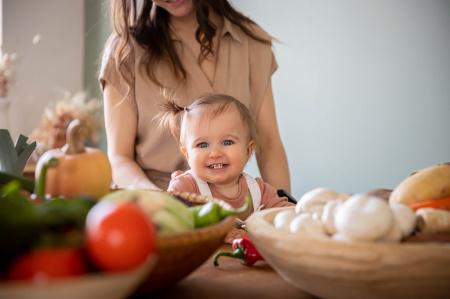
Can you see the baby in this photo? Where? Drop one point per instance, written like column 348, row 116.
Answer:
column 217, row 135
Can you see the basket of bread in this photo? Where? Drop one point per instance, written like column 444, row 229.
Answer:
column 380, row 244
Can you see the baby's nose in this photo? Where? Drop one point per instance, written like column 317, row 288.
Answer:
column 215, row 152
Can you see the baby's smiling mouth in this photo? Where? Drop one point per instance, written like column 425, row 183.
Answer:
column 217, row 166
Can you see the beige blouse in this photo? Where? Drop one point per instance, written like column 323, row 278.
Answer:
column 243, row 70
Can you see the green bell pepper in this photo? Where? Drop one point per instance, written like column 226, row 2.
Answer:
column 211, row 212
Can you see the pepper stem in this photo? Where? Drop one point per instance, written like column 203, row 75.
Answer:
column 237, row 253
column 224, row 213
column 40, row 186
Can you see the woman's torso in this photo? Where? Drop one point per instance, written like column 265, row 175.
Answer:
column 242, row 70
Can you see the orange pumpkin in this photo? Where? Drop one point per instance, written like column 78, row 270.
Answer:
column 81, row 171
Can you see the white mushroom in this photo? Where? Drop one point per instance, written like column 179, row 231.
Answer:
column 394, row 234
column 433, row 220
column 344, row 196
column 405, row 218
column 328, row 215
column 283, row 219
column 313, row 201
column 306, row 224
column 363, row 217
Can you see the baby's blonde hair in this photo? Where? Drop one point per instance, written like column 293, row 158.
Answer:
column 213, row 105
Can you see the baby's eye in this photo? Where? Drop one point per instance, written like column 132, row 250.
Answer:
column 202, row 145
column 227, row 142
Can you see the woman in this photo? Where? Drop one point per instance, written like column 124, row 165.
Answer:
column 186, row 48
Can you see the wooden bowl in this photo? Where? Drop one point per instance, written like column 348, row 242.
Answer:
column 179, row 254
column 89, row 286
column 333, row 269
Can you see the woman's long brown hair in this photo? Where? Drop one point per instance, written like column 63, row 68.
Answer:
column 149, row 27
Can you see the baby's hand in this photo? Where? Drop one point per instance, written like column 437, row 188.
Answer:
column 235, row 233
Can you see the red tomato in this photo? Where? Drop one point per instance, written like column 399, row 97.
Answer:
column 47, row 263
column 119, row 236
column 34, row 199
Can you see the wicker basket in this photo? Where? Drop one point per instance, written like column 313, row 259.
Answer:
column 181, row 253
column 332, row 269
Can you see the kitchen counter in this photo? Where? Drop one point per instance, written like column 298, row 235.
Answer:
column 231, row 279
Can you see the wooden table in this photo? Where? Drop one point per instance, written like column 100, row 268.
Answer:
column 231, row 279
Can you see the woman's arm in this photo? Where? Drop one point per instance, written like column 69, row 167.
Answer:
column 272, row 160
column 121, row 125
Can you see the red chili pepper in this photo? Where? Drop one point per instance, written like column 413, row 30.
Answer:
column 243, row 250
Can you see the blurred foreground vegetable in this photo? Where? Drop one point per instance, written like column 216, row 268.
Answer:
column 211, row 212
column 13, row 158
column 119, row 236
column 39, row 224
column 169, row 214
column 49, row 263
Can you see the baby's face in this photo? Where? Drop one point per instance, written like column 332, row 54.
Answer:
column 217, row 149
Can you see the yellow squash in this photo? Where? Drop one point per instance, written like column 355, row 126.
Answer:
column 81, row 171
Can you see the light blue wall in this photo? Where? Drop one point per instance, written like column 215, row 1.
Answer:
column 363, row 88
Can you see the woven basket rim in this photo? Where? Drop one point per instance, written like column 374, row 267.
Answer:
column 194, row 198
column 214, row 229
column 198, row 199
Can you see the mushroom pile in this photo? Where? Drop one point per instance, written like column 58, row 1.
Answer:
column 323, row 212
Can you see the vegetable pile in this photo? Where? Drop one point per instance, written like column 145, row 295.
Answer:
column 45, row 237
column 65, row 223
column 61, row 237
column 39, row 236
column 418, row 205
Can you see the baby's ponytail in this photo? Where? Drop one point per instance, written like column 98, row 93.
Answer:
column 170, row 115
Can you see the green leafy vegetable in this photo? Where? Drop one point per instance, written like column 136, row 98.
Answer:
column 13, row 158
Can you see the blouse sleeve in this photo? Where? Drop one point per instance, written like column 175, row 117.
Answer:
column 122, row 82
